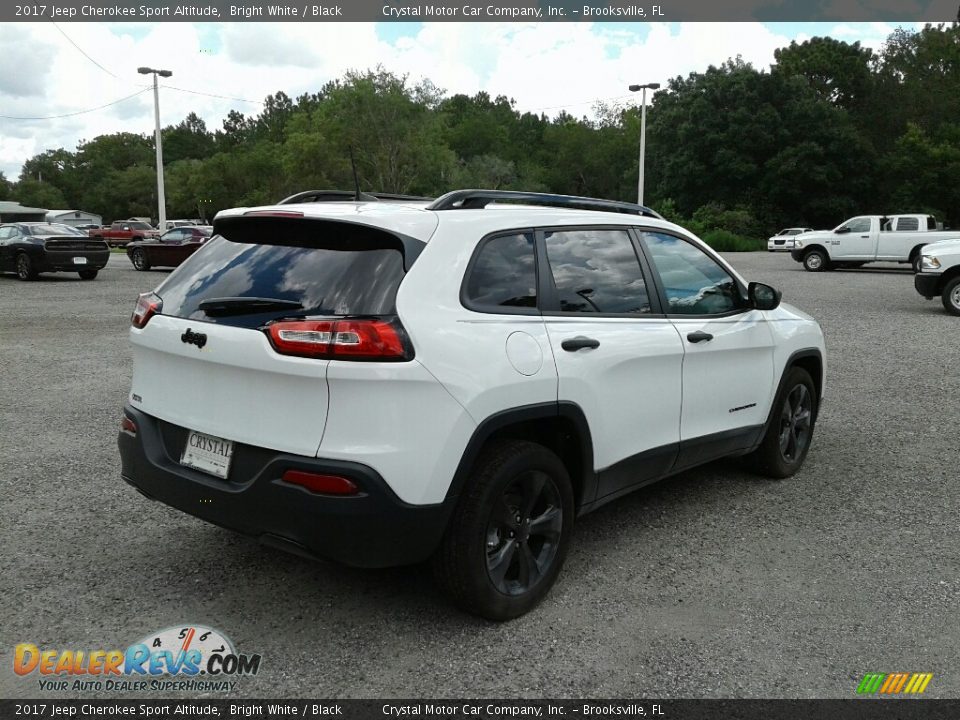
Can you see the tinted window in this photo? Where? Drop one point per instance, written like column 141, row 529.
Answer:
column 908, row 223
column 504, row 273
column 596, row 271
column 694, row 283
column 353, row 272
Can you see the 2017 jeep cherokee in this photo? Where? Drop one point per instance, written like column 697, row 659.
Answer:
column 382, row 383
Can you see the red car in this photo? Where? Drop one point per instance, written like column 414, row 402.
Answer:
column 170, row 249
column 122, row 232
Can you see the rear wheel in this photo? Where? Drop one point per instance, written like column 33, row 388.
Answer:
column 509, row 536
column 951, row 296
column 87, row 274
column 787, row 439
column 139, row 259
column 915, row 262
column 815, row 261
column 25, row 269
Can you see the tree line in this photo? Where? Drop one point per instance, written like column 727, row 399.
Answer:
column 831, row 129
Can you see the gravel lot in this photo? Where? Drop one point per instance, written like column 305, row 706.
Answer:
column 713, row 584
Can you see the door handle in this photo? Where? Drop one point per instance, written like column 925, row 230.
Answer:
column 699, row 336
column 865, row 236
column 579, row 343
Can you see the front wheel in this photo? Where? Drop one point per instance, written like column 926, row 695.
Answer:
column 87, row 274
column 787, row 439
column 510, row 533
column 915, row 262
column 815, row 261
column 951, row 296
column 25, row 269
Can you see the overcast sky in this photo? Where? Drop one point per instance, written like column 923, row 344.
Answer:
column 544, row 67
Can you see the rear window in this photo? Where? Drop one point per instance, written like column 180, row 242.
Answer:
column 330, row 269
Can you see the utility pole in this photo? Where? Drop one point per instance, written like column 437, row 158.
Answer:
column 643, row 134
column 161, row 197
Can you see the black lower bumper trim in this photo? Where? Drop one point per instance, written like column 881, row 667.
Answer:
column 372, row 529
column 927, row 285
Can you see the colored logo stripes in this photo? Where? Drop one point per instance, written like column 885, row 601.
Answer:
column 894, row 683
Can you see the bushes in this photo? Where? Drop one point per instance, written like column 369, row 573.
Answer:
column 724, row 230
column 726, row 241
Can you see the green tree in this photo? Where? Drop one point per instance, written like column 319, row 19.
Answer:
column 5, row 187
column 836, row 71
column 35, row 193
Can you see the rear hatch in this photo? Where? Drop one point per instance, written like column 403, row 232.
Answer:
column 244, row 329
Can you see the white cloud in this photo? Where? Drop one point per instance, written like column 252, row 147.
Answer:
column 544, row 67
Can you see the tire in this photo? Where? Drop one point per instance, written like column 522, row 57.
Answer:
column 489, row 563
column 88, row 274
column 25, row 269
column 951, row 296
column 815, row 261
column 790, row 432
column 139, row 259
column 915, row 263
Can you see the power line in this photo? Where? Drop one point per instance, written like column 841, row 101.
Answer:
column 84, row 53
column 213, row 95
column 78, row 112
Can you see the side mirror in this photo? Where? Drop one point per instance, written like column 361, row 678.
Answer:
column 763, row 297
column 842, row 230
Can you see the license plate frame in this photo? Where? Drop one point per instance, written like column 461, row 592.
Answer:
column 79, row 261
column 207, row 453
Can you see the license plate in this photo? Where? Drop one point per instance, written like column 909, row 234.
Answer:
column 207, row 453
column 79, row 261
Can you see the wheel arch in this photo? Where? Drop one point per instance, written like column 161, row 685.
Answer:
column 809, row 359
column 916, row 250
column 559, row 426
column 807, row 249
column 946, row 276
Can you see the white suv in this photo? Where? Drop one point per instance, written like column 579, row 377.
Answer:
column 382, row 383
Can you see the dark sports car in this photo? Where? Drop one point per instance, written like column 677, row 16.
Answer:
column 170, row 249
column 29, row 248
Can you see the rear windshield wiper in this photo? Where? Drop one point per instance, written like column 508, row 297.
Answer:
column 245, row 305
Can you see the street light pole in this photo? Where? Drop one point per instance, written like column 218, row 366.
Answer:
column 161, row 198
column 643, row 134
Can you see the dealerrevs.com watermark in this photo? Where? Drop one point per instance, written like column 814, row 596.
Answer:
column 187, row 658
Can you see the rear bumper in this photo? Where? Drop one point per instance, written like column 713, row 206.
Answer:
column 372, row 529
column 62, row 260
column 927, row 284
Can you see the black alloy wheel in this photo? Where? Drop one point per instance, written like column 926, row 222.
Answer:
column 796, row 423
column 523, row 534
column 25, row 269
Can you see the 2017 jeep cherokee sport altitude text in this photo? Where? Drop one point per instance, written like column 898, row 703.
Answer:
column 382, row 383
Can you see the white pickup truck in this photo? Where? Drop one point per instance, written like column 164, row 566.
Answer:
column 868, row 238
column 940, row 274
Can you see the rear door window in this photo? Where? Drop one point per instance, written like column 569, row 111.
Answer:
column 320, row 269
column 596, row 271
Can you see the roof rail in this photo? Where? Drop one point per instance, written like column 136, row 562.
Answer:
column 477, row 199
column 309, row 196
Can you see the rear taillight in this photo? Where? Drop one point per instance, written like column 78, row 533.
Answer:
column 321, row 483
column 128, row 426
column 148, row 305
column 369, row 339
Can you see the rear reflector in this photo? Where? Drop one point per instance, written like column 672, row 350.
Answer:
column 128, row 426
column 340, row 339
column 148, row 305
column 318, row 483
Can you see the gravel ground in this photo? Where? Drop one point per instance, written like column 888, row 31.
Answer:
column 713, row 584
